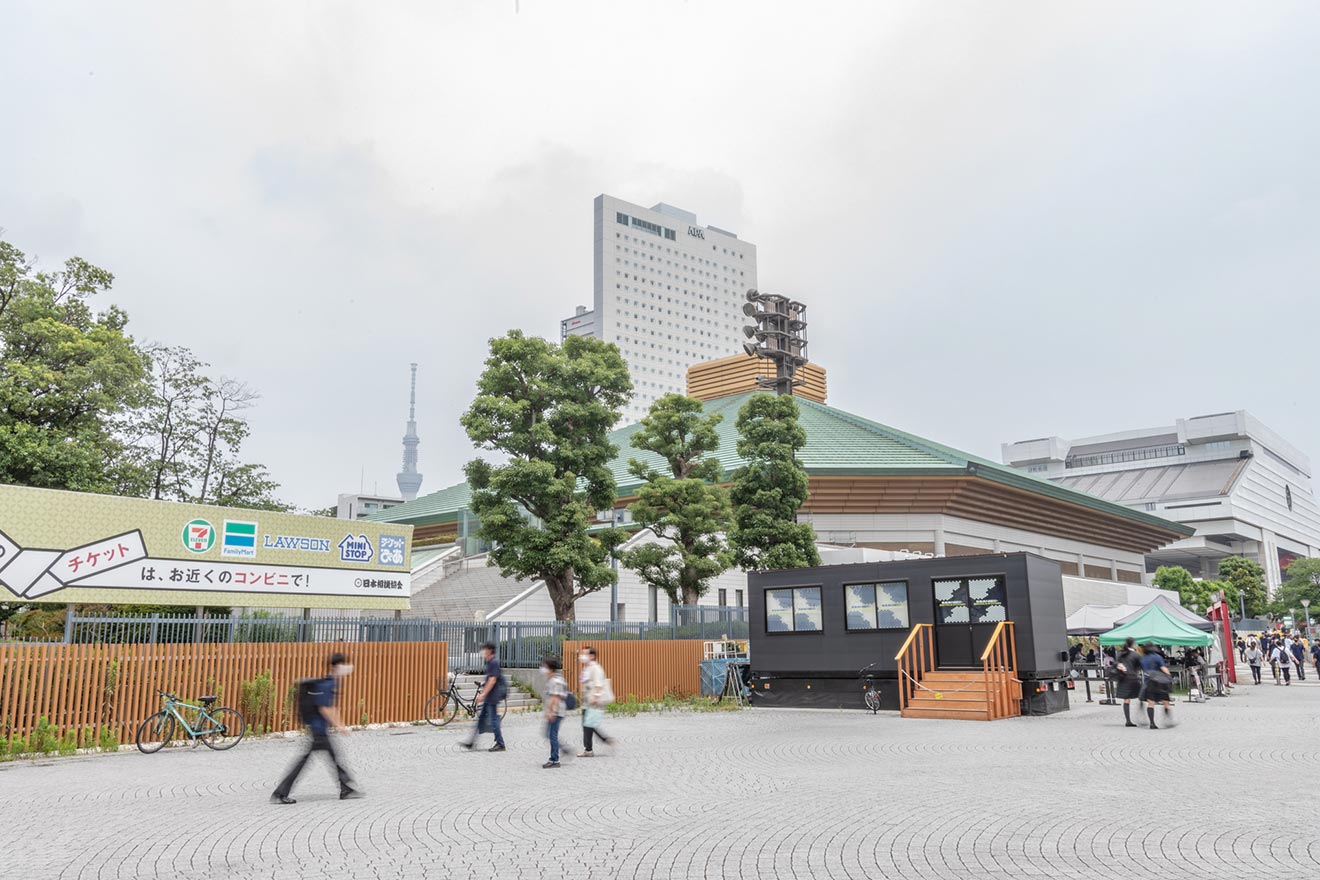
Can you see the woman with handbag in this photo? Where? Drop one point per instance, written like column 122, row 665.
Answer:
column 595, row 697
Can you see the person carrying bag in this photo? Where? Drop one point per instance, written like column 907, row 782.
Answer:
column 597, row 693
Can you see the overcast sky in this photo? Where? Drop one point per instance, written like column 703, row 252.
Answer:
column 1007, row 220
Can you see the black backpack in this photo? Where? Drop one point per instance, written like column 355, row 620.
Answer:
column 309, row 691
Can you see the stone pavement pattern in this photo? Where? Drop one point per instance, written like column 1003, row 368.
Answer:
column 756, row 794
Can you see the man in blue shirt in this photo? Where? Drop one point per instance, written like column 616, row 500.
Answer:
column 321, row 717
column 489, row 696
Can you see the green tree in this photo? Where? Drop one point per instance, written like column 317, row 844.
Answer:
column 1247, row 579
column 1190, row 591
column 770, row 487
column 69, row 377
column 548, row 409
column 682, row 507
column 191, row 435
column 1302, row 582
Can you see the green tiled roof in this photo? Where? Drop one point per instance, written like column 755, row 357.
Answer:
column 838, row 444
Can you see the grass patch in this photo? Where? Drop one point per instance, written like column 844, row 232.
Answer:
column 670, row 703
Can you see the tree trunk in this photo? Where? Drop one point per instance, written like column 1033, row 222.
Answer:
column 561, row 597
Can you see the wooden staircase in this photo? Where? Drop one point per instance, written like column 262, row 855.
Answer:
column 984, row 694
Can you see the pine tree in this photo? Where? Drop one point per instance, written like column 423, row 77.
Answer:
column 682, row 507
column 770, row 487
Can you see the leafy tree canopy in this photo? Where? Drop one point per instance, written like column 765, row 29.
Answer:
column 1247, row 579
column 549, row 409
column 67, row 376
column 770, row 488
column 680, row 504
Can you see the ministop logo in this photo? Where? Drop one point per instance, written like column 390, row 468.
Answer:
column 356, row 548
column 198, row 536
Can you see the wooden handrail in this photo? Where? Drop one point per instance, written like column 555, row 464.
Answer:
column 912, row 635
column 994, row 637
column 916, row 657
column 1003, row 694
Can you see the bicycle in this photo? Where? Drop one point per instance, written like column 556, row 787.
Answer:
column 220, row 729
column 870, row 692
column 443, row 705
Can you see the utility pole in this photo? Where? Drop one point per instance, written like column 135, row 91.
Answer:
column 778, row 335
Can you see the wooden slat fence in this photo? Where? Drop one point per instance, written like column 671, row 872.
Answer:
column 88, row 688
column 647, row 670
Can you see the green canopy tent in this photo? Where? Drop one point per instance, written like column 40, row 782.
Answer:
column 1154, row 624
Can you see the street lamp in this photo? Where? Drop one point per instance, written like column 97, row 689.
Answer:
column 1306, row 612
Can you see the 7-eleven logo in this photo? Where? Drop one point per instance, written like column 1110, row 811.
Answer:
column 198, row 536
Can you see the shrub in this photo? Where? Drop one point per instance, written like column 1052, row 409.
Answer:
column 69, row 744
column 44, row 739
column 258, row 702
column 109, row 740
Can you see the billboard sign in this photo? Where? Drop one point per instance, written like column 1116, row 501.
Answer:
column 80, row 548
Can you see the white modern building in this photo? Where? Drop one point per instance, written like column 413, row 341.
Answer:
column 583, row 323
column 1245, row 489
column 668, row 290
column 360, row 506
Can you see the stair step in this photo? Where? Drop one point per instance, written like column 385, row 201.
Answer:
column 943, row 675
column 944, row 699
column 978, row 714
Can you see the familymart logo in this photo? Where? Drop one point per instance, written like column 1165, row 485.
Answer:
column 240, row 539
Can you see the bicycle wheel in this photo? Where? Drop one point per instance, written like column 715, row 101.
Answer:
column 873, row 699
column 440, row 709
column 231, row 729
column 155, row 733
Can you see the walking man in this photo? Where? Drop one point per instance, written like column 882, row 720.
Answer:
column 1159, row 682
column 1254, row 656
column 1299, row 659
column 1281, row 656
column 316, row 705
column 593, row 702
column 493, row 690
column 1129, row 679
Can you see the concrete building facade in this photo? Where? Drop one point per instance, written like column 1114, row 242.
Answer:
column 1243, row 488
column 667, row 290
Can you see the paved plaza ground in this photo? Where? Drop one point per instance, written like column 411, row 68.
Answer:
column 756, row 794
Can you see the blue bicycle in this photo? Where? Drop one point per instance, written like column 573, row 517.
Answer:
column 217, row 729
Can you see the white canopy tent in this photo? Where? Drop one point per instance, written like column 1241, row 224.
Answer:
column 1091, row 620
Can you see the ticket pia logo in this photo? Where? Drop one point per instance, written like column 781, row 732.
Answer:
column 198, row 536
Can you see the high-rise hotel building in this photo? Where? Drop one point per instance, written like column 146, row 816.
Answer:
column 668, row 291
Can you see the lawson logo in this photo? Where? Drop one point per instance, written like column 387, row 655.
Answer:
column 356, row 548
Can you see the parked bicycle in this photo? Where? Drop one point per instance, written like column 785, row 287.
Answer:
column 443, row 705
column 870, row 690
column 217, row 729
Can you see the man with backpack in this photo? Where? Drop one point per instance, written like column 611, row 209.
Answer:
column 1283, row 660
column 493, row 691
column 316, row 709
column 596, row 695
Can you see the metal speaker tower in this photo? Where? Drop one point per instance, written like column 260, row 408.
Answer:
column 408, row 479
column 779, row 334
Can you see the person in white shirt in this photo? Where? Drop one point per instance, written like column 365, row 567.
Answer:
column 593, row 702
column 1281, row 656
column 1253, row 656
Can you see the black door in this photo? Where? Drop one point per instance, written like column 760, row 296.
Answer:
column 966, row 612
